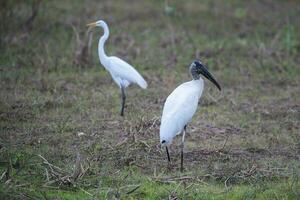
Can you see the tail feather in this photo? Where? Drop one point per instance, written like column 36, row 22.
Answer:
column 141, row 82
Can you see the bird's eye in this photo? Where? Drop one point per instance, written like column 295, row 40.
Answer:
column 164, row 141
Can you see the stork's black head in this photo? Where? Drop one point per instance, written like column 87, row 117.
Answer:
column 198, row 68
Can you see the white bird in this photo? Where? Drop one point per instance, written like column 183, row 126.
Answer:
column 181, row 105
column 121, row 72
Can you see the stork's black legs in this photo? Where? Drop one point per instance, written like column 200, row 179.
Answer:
column 123, row 99
column 182, row 147
column 169, row 160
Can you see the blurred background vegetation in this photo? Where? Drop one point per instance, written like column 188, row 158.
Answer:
column 61, row 136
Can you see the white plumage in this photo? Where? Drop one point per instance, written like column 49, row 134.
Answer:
column 181, row 105
column 122, row 72
column 179, row 109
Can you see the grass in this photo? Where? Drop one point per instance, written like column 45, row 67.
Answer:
column 61, row 135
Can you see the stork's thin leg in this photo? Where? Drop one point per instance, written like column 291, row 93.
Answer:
column 169, row 160
column 182, row 147
column 123, row 99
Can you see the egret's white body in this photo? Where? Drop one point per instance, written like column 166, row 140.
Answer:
column 179, row 109
column 121, row 72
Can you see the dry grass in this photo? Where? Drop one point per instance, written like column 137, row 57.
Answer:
column 60, row 129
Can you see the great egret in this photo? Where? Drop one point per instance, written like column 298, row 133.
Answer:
column 181, row 105
column 121, row 72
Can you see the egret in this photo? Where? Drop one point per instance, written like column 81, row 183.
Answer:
column 121, row 72
column 181, row 105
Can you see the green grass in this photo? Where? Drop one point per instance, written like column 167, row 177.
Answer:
column 61, row 133
column 136, row 186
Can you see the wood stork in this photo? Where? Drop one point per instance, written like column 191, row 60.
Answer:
column 121, row 72
column 181, row 105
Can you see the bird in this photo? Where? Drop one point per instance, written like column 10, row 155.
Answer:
column 121, row 72
column 181, row 105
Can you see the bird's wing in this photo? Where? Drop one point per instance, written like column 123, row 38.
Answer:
column 120, row 69
column 181, row 104
column 178, row 98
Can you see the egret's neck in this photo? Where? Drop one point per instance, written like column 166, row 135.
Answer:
column 102, row 54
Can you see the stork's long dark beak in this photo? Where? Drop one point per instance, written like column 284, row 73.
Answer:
column 205, row 72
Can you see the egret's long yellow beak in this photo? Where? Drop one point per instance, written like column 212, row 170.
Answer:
column 93, row 24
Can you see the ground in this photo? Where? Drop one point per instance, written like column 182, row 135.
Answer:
column 61, row 133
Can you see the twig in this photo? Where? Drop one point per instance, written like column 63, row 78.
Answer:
column 47, row 175
column 46, row 162
column 134, row 189
column 3, row 174
column 108, row 191
column 154, row 122
column 172, row 179
column 224, row 144
column 49, row 186
column 86, row 192
column 22, row 185
column 144, row 143
column 226, row 183
column 201, row 181
column 78, row 167
column 212, row 98
column 122, row 142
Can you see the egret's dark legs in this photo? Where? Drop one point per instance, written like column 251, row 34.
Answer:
column 182, row 147
column 123, row 99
